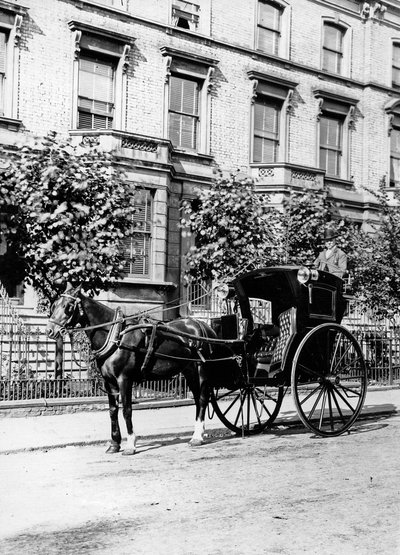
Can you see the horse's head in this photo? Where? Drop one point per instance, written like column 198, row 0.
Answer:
column 65, row 313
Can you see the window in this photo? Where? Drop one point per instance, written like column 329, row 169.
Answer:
column 332, row 50
column 266, row 130
column 395, row 150
column 269, row 27
column 271, row 105
column 184, row 112
column 10, row 33
column 185, row 14
column 396, row 66
column 100, row 77
column 138, row 248
column 187, row 99
column 3, row 59
column 331, row 144
column 336, row 120
column 95, row 93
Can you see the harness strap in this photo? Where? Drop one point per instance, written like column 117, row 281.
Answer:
column 111, row 343
column 150, row 348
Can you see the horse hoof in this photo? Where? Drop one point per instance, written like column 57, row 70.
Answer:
column 196, row 442
column 113, row 448
column 127, row 452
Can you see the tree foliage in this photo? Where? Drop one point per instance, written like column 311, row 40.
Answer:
column 234, row 229
column 376, row 267
column 69, row 211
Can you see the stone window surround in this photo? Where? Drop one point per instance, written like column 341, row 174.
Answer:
column 347, row 43
column 9, row 110
column 392, row 108
column 125, row 42
column 284, row 43
column 257, row 77
column 206, row 67
column 324, row 97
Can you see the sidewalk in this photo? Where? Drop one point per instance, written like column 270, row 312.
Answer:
column 93, row 427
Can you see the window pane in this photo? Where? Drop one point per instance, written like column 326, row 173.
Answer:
column 183, row 95
column 269, row 16
column 268, row 41
column 395, row 172
column 332, row 61
column 184, row 107
column 330, row 132
column 266, row 117
column 96, row 79
column 333, row 38
column 265, row 150
column 138, row 248
column 396, row 55
column 3, row 47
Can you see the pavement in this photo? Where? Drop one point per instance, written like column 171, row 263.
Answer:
column 29, row 433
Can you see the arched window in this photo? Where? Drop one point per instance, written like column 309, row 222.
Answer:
column 333, row 48
column 396, row 65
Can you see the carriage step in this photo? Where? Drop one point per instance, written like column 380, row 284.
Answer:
column 260, row 380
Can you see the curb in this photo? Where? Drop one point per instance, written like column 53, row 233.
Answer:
column 290, row 421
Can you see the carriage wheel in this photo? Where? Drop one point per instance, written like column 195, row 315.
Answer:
column 249, row 409
column 329, row 380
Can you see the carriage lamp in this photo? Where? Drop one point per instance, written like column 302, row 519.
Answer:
column 304, row 275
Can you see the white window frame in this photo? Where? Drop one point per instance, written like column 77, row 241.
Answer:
column 392, row 110
column 394, row 43
column 197, row 68
column 263, row 86
column 148, row 233
column 347, row 44
column 345, row 112
column 88, row 42
column 8, row 100
column 189, row 11
column 284, row 41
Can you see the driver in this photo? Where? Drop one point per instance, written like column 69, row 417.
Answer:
column 331, row 259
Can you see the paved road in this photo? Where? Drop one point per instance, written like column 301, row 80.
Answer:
column 286, row 492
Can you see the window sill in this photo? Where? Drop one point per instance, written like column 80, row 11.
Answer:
column 339, row 182
column 140, row 281
column 10, row 123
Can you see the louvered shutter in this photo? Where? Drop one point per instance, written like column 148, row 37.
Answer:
column 96, row 93
column 266, row 131
column 3, row 51
column 183, row 112
column 138, row 248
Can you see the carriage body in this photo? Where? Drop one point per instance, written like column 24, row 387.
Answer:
column 291, row 309
column 294, row 339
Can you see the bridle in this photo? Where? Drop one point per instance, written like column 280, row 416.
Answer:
column 77, row 306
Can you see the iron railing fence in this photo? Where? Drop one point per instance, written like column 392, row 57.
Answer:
column 79, row 388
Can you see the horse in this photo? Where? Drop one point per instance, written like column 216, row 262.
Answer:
column 131, row 349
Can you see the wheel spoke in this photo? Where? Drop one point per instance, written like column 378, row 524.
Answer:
column 258, row 416
column 338, row 407
column 231, row 404
column 310, row 394
column 344, row 400
column 310, row 414
column 321, row 416
column 354, row 391
column 309, row 371
column 240, row 412
column 330, row 409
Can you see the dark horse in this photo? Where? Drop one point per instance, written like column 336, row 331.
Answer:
column 129, row 350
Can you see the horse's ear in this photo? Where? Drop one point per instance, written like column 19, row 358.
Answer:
column 73, row 290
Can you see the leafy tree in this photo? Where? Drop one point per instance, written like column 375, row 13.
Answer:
column 69, row 211
column 376, row 272
column 235, row 229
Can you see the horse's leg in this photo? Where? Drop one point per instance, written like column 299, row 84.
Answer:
column 201, row 397
column 113, row 405
column 126, row 399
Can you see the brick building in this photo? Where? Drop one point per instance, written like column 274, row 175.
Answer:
column 294, row 92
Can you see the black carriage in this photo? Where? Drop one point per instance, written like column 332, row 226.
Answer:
column 288, row 323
